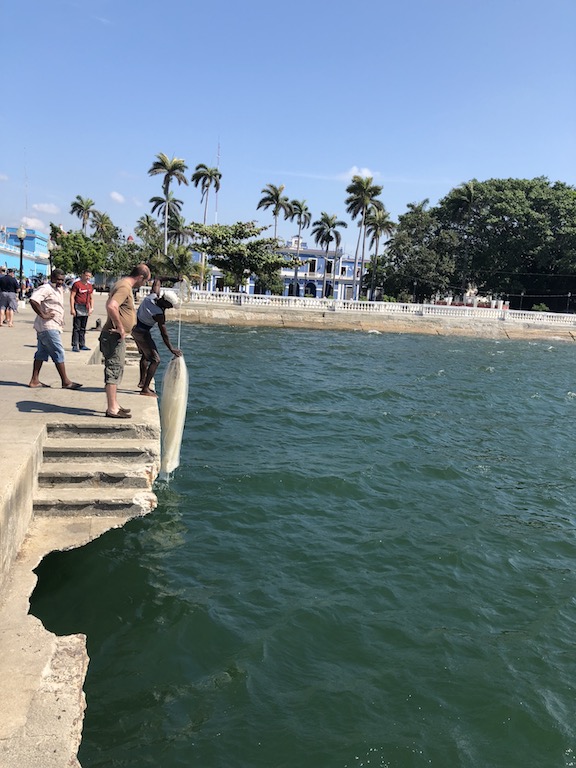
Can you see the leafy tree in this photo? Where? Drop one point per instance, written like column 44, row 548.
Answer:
column 178, row 261
column 76, row 252
column 325, row 231
column 362, row 197
column 515, row 236
column 299, row 211
column 422, row 253
column 173, row 169
column 237, row 249
column 272, row 197
column 83, row 208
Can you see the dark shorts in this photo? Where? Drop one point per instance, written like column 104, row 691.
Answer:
column 146, row 345
column 113, row 349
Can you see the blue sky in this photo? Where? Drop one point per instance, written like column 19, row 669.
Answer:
column 421, row 94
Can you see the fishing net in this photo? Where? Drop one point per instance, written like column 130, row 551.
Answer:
column 173, row 414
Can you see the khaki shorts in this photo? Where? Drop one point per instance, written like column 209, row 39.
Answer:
column 113, row 349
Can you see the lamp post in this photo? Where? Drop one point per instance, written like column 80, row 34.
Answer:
column 414, row 293
column 51, row 247
column 521, row 299
column 568, row 301
column 21, row 235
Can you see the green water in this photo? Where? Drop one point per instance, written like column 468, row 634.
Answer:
column 366, row 558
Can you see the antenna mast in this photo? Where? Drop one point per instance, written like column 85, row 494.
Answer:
column 216, row 192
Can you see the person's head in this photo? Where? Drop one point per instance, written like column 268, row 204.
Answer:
column 86, row 276
column 2, row 270
column 57, row 277
column 140, row 274
column 167, row 300
column 11, row 272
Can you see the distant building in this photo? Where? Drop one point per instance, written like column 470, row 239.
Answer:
column 34, row 256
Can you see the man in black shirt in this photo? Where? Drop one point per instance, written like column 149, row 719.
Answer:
column 8, row 297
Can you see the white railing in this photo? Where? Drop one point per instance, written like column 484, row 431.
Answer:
column 379, row 307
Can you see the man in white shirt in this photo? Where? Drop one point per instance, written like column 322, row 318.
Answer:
column 47, row 301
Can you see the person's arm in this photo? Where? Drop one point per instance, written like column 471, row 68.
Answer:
column 91, row 301
column 72, row 298
column 113, row 310
column 164, row 333
column 40, row 312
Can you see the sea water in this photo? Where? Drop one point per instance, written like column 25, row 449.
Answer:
column 366, row 558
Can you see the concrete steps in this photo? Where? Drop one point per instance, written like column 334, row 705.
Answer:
column 97, row 469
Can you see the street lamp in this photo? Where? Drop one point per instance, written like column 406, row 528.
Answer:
column 51, row 247
column 21, row 235
column 568, row 302
column 414, row 294
column 521, row 299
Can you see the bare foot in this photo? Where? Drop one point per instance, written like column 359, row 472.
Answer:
column 38, row 384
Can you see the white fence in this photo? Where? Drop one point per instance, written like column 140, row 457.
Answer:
column 379, row 307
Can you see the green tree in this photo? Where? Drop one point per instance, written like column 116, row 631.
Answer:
column 82, row 207
column 362, row 197
column 299, row 211
column 325, row 231
column 104, row 230
column 167, row 208
column 206, row 177
column 77, row 253
column 421, row 254
column 272, row 197
column 172, row 169
column 237, row 249
column 378, row 225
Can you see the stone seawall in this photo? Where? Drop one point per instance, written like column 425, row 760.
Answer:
column 213, row 314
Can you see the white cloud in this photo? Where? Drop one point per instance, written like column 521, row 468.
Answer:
column 31, row 223
column 46, row 208
column 356, row 171
column 117, row 197
column 3, row 177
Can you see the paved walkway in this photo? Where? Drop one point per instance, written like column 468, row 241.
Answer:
column 41, row 676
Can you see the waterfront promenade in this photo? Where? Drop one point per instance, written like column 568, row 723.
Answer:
column 41, row 675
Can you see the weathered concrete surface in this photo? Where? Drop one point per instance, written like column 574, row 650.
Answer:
column 41, row 675
column 213, row 314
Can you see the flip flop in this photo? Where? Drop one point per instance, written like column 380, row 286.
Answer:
column 149, row 394
column 39, row 386
column 119, row 415
column 74, row 385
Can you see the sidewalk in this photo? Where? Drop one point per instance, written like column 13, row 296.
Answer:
column 41, row 675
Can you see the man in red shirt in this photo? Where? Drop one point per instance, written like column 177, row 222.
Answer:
column 81, row 305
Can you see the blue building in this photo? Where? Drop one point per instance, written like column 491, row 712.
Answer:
column 35, row 257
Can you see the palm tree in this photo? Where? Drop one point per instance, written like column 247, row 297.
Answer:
column 83, row 208
column 172, row 170
column 178, row 232
column 104, row 229
column 272, row 197
column 205, row 177
column 298, row 210
column 166, row 206
column 362, row 193
column 147, row 228
column 325, row 231
column 378, row 224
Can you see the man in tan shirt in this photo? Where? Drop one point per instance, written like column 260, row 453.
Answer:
column 121, row 320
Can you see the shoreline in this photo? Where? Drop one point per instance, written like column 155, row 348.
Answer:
column 318, row 319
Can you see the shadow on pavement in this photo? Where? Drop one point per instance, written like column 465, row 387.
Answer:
column 31, row 406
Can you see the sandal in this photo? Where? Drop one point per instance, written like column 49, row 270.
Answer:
column 119, row 415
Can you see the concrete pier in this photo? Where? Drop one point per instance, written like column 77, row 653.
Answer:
column 68, row 475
